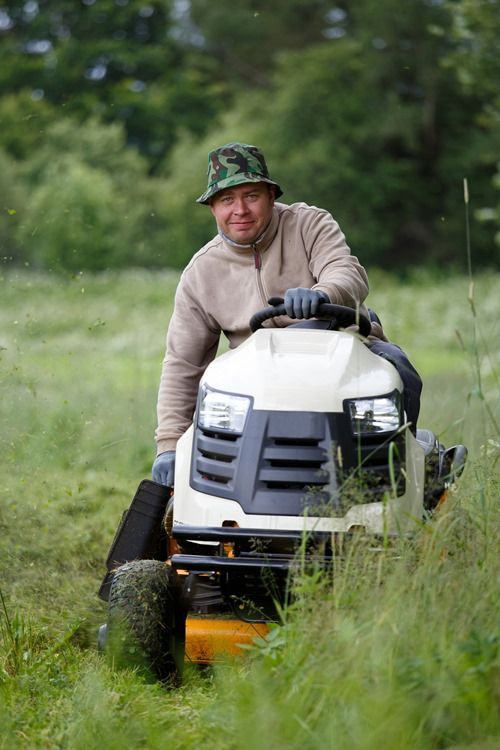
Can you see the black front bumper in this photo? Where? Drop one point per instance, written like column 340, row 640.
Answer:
column 217, row 564
column 251, row 549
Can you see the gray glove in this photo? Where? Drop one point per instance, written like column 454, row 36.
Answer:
column 164, row 468
column 303, row 303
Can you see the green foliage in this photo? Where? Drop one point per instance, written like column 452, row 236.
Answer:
column 98, row 145
column 375, row 114
column 246, row 41
column 475, row 59
column 24, row 119
column 71, row 220
column 402, row 651
column 92, row 204
column 372, row 127
column 12, row 202
column 476, row 52
column 117, row 60
column 15, row 641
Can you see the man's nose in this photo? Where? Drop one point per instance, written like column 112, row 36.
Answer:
column 240, row 206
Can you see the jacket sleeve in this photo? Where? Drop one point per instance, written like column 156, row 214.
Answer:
column 192, row 342
column 338, row 273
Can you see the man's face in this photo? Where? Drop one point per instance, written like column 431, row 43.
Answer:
column 244, row 211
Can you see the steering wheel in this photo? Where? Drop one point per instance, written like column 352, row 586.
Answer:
column 342, row 316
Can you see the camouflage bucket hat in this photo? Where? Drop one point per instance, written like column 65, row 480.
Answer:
column 235, row 164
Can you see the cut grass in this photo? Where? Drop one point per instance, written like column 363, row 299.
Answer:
column 401, row 652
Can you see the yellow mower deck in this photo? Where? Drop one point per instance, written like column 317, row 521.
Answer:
column 210, row 640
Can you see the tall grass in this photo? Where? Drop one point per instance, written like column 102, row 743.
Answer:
column 401, row 651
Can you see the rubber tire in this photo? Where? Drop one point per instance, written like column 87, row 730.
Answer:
column 146, row 620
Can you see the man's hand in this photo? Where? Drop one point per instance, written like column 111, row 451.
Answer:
column 303, row 303
column 164, row 468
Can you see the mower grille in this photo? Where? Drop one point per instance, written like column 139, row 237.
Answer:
column 289, row 463
column 216, row 456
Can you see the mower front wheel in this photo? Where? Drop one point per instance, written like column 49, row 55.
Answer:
column 146, row 620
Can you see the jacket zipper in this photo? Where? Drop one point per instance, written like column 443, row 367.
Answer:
column 257, row 260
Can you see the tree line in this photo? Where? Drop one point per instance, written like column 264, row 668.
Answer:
column 375, row 111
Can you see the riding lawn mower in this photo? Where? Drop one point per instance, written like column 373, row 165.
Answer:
column 299, row 440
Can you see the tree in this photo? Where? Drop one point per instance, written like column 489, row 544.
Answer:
column 115, row 59
column 247, row 38
column 373, row 110
column 372, row 126
column 475, row 59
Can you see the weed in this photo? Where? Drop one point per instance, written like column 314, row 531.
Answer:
column 16, row 641
column 398, row 649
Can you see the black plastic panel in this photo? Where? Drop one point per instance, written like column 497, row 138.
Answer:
column 291, row 463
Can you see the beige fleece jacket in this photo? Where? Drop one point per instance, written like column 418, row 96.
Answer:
column 224, row 284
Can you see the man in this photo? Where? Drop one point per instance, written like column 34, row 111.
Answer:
column 263, row 249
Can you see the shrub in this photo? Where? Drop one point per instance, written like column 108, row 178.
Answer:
column 12, row 206
column 93, row 204
column 73, row 221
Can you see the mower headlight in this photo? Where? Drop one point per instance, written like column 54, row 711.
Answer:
column 222, row 411
column 375, row 415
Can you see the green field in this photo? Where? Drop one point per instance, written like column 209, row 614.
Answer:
column 403, row 652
